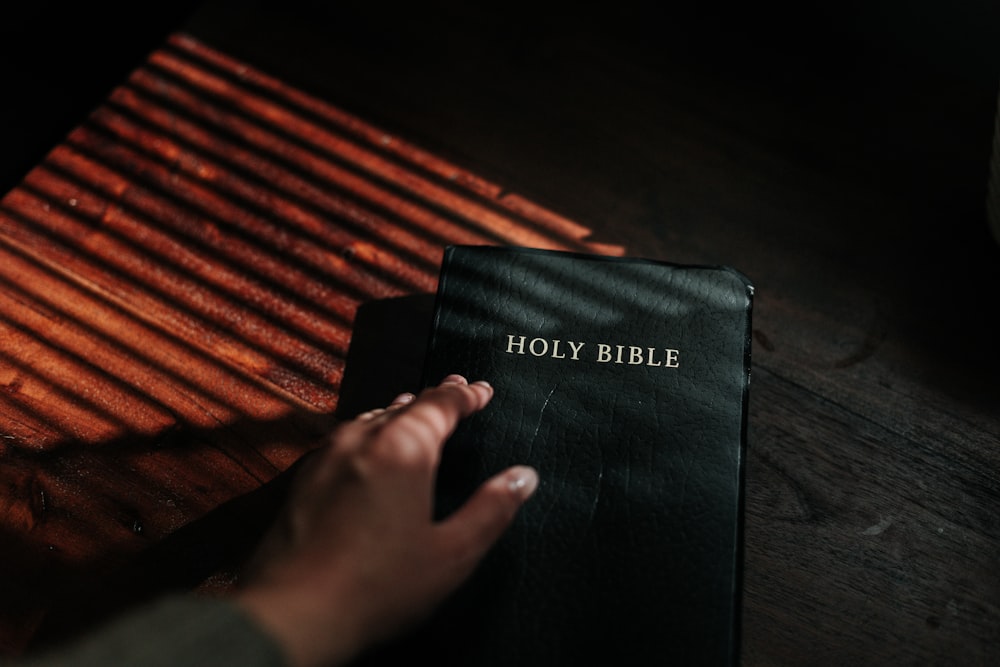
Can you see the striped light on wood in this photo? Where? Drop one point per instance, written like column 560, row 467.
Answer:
column 178, row 284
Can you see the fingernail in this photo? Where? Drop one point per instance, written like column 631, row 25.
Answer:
column 454, row 378
column 405, row 397
column 483, row 383
column 523, row 481
column 370, row 414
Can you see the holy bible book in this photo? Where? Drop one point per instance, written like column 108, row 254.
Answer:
column 624, row 382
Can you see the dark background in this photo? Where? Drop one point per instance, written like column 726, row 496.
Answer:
column 899, row 97
column 889, row 72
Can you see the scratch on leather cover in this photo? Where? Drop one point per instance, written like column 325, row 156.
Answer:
column 630, row 552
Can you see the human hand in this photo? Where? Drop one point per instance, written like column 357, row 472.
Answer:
column 356, row 555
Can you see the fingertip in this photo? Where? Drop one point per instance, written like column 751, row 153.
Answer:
column 369, row 415
column 522, row 481
column 484, row 387
column 403, row 399
column 480, row 522
column 480, row 390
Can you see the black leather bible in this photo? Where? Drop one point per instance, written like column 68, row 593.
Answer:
column 624, row 382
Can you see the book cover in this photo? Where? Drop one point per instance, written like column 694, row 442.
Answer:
column 624, row 382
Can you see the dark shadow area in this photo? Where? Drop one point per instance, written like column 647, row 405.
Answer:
column 58, row 60
column 386, row 355
column 71, row 596
column 210, row 548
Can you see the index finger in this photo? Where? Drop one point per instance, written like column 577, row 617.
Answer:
column 432, row 417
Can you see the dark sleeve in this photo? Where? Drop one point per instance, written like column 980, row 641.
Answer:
column 181, row 630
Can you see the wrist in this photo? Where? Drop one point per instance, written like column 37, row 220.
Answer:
column 301, row 623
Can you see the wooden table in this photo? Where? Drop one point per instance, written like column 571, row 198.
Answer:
column 184, row 278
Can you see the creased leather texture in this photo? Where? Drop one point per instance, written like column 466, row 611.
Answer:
column 630, row 552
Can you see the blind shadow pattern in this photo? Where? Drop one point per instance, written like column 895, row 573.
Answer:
column 179, row 280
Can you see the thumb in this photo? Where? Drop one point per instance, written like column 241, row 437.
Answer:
column 469, row 532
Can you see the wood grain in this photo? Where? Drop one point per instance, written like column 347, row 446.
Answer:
column 180, row 279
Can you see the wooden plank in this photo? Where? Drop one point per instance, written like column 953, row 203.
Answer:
column 830, row 492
